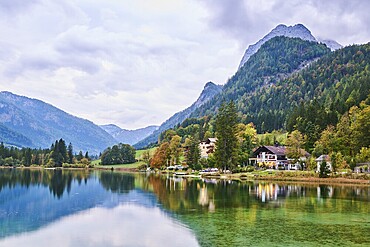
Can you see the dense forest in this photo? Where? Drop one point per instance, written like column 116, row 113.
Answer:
column 118, row 154
column 55, row 156
column 275, row 60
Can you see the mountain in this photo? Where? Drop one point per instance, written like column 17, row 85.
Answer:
column 296, row 31
column 277, row 59
column 332, row 44
column 288, row 82
column 13, row 138
column 209, row 91
column 26, row 122
column 128, row 136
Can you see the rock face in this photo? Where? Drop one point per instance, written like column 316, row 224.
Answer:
column 26, row 122
column 332, row 44
column 128, row 136
column 209, row 91
column 296, row 31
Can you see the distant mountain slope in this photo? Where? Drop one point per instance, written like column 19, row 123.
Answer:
column 128, row 136
column 277, row 59
column 332, row 44
column 209, row 91
column 41, row 124
column 273, row 88
column 296, row 31
column 13, row 138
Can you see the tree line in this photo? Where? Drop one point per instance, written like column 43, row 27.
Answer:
column 55, row 156
column 347, row 142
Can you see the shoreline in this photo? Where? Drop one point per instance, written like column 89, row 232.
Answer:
column 243, row 177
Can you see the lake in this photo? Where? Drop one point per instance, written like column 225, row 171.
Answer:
column 104, row 208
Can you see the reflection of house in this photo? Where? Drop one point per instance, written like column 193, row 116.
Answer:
column 274, row 157
column 321, row 159
column 207, row 147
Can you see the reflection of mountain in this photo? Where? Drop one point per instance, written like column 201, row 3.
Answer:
column 217, row 211
column 31, row 199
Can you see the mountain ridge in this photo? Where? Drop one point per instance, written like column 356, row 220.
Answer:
column 128, row 136
column 296, row 31
column 43, row 123
column 209, row 91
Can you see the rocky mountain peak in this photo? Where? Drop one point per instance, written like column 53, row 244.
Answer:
column 296, row 31
column 332, row 44
column 209, row 91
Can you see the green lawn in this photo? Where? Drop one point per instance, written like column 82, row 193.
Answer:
column 280, row 137
column 138, row 155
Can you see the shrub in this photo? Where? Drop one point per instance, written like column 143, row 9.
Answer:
column 249, row 169
column 324, row 170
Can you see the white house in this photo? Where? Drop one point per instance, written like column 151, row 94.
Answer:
column 275, row 157
column 207, row 147
column 322, row 158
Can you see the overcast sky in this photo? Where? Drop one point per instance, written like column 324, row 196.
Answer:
column 137, row 62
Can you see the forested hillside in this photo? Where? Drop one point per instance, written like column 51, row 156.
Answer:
column 209, row 91
column 274, row 61
column 327, row 87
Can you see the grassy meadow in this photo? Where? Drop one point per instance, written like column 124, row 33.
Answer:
column 138, row 156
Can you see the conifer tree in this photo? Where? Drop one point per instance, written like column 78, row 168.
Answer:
column 226, row 152
column 70, row 153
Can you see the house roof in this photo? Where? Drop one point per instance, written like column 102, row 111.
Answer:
column 211, row 140
column 278, row 150
column 323, row 157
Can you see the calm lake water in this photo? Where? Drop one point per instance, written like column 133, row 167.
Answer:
column 82, row 208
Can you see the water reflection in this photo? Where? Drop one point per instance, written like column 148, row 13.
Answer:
column 58, row 181
column 187, row 194
column 101, row 207
column 124, row 225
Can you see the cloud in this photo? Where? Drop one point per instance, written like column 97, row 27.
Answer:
column 15, row 6
column 124, row 225
column 248, row 20
column 136, row 63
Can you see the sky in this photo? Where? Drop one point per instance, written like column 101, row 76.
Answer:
column 135, row 63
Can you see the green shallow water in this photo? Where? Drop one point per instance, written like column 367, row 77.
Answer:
column 81, row 208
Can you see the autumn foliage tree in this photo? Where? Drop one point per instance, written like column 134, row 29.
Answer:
column 295, row 144
column 161, row 156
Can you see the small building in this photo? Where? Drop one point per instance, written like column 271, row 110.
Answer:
column 362, row 168
column 275, row 157
column 207, row 147
column 269, row 157
column 321, row 159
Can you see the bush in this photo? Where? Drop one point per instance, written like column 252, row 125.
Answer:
column 236, row 170
column 324, row 170
column 249, row 169
column 79, row 165
column 142, row 167
column 198, row 167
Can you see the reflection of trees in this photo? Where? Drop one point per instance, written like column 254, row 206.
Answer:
column 178, row 194
column 239, row 217
column 57, row 180
column 117, row 182
column 185, row 195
